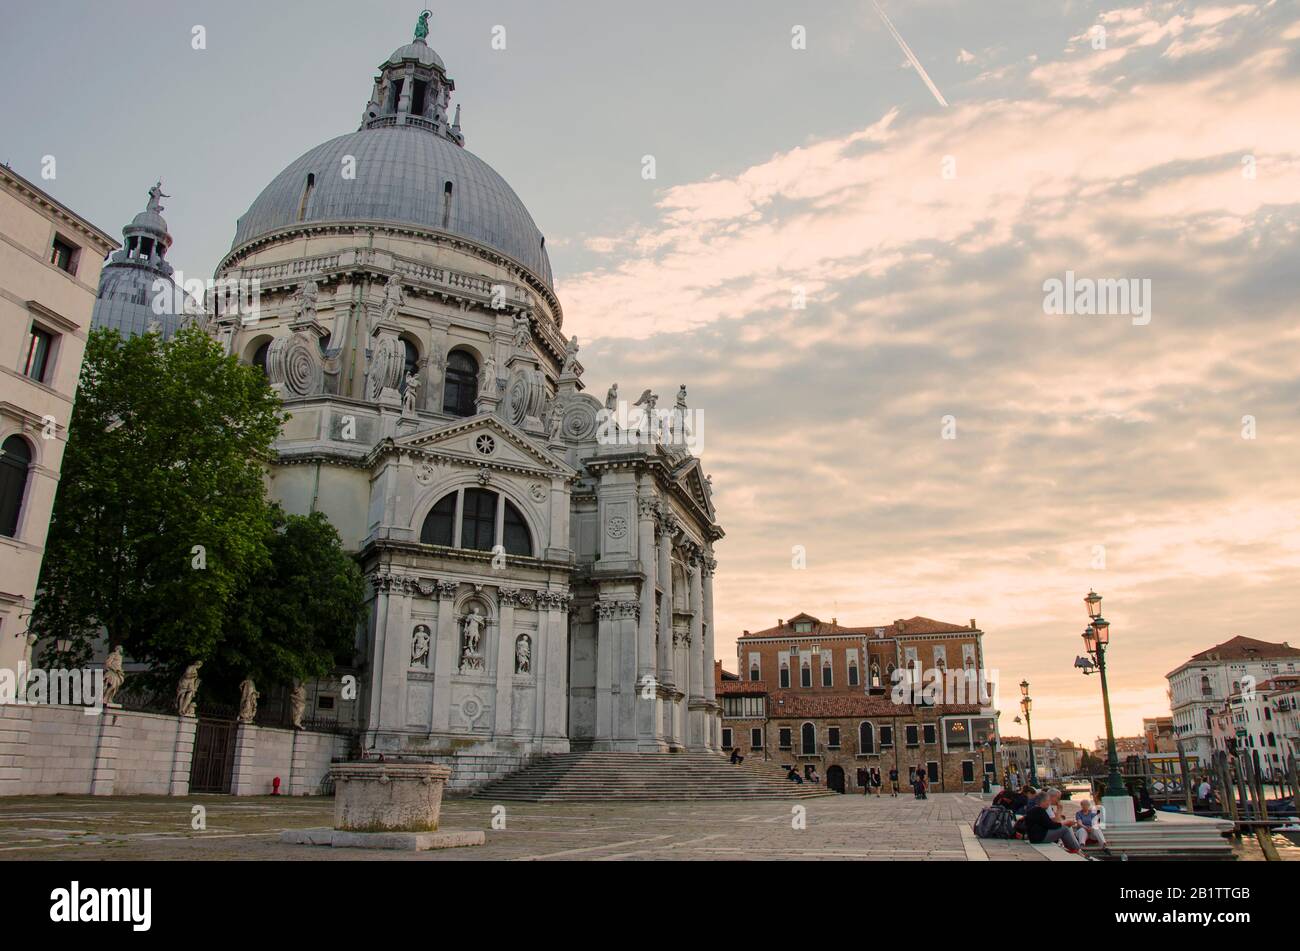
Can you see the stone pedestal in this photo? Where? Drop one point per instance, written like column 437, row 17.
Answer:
column 386, row 806
column 388, row 797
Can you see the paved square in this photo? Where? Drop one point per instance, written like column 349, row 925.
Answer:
column 837, row 828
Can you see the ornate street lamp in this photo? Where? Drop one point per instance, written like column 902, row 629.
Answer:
column 1026, row 705
column 1096, row 638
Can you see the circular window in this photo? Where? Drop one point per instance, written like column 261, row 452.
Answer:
column 485, row 444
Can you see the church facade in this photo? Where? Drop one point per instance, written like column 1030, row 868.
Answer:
column 540, row 576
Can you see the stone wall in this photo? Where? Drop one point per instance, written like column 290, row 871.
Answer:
column 58, row 750
column 300, row 759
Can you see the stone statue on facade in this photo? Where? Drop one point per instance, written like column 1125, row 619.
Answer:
column 570, row 356
column 113, row 676
column 297, row 704
column 648, row 413
column 248, row 701
column 412, row 391
column 420, row 646
column 611, row 399
column 523, row 654
column 487, row 379
column 523, row 331
column 555, row 428
column 307, row 301
column 155, row 198
column 681, row 398
column 393, row 300
column 187, row 691
column 472, row 626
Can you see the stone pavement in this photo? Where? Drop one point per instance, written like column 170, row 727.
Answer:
column 837, row 828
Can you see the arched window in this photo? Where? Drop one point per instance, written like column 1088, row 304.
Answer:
column 866, row 738
column 15, row 460
column 440, row 525
column 785, row 674
column 875, row 675
column 412, row 361
column 259, row 356
column 478, row 523
column 460, row 386
column 808, row 739
column 514, row 532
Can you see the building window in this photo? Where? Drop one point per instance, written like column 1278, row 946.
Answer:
column 929, row 734
column 15, row 461
column 40, row 348
column 756, row 738
column 753, row 672
column 886, row 737
column 932, row 771
column 911, row 735
column 306, row 195
column 726, row 737
column 808, row 739
column 833, row 738
column 783, row 739
column 259, row 356
column 411, row 361
column 785, row 676
column 866, row 738
column 460, row 385
column 826, row 675
column 967, row 771
column 853, row 675
column 478, row 520
column 446, row 206
column 63, row 254
column 805, row 676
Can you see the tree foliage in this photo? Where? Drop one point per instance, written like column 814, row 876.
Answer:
column 161, row 536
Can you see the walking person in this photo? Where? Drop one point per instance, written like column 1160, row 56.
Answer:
column 893, row 781
column 875, row 779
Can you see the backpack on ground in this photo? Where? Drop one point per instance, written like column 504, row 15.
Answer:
column 995, row 822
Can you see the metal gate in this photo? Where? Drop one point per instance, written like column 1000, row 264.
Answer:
column 214, row 756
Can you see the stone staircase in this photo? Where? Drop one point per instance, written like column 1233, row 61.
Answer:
column 1172, row 835
column 645, row 777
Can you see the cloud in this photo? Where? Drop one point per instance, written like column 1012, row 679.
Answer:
column 924, row 300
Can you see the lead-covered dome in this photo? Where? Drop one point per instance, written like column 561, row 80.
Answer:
column 407, row 165
column 404, row 175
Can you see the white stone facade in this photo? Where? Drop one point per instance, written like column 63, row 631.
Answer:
column 535, row 587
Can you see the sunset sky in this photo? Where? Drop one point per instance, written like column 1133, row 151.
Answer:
column 1090, row 451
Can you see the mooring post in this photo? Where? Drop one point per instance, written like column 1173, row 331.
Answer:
column 1187, row 782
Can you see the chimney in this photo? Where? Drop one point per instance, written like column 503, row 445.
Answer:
column 747, row 632
column 972, row 625
column 835, row 622
column 780, row 622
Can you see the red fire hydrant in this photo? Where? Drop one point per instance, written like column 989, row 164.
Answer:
column 275, row 786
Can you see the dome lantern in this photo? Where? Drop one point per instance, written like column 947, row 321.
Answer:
column 413, row 89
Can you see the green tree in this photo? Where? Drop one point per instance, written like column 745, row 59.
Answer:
column 160, row 517
column 298, row 620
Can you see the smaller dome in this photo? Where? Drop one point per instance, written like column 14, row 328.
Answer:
column 419, row 52
column 148, row 221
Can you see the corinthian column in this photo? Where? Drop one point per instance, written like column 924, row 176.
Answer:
column 710, row 688
column 667, row 527
column 695, row 675
column 647, row 663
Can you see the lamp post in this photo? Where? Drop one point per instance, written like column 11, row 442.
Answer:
column 1096, row 638
column 1027, row 704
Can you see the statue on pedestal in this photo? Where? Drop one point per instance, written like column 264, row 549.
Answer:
column 472, row 626
column 570, row 356
column 297, row 704
column 420, row 646
column 393, row 299
column 523, row 331
column 113, row 676
column 412, row 391
column 248, row 701
column 523, row 654
column 611, row 399
column 187, row 691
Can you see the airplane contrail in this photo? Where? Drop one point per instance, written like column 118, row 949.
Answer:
column 907, row 51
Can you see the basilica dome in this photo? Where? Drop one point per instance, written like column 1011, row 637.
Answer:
column 411, row 168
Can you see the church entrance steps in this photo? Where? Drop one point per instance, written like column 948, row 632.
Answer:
column 646, row 777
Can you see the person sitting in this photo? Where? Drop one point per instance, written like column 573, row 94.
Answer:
column 793, row 775
column 812, row 775
column 1041, row 827
column 736, row 758
column 1144, row 810
column 1089, row 824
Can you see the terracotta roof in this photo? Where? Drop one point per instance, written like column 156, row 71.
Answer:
column 1240, row 648
column 913, row 625
column 791, row 704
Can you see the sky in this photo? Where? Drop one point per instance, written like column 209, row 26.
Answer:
column 850, row 276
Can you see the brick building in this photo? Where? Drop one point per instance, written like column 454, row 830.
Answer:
column 821, row 696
